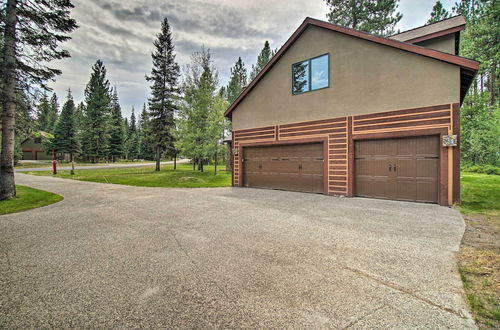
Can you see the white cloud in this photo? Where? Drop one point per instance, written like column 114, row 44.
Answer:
column 121, row 33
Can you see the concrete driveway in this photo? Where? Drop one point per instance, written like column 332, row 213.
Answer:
column 112, row 256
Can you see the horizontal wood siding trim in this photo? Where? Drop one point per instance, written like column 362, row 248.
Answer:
column 403, row 118
column 311, row 127
column 238, row 134
column 401, row 112
column 254, row 129
column 325, row 131
column 314, row 122
column 258, row 137
column 403, row 124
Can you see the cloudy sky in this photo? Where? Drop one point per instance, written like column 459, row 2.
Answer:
column 121, row 33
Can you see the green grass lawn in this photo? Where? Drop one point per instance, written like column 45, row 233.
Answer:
column 479, row 256
column 480, row 194
column 184, row 176
column 28, row 198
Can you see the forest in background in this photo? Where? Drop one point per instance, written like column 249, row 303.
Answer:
column 183, row 116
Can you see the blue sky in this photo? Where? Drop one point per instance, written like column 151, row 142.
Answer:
column 121, row 33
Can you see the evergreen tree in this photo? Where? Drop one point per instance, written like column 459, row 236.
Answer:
column 373, row 16
column 133, row 137
column 116, row 136
column 79, row 115
column 126, row 133
column 94, row 134
column 438, row 13
column 237, row 81
column 33, row 28
column 54, row 112
column 164, row 90
column 65, row 132
column 264, row 57
column 145, row 136
column 44, row 110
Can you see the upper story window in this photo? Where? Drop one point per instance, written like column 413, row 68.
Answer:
column 311, row 74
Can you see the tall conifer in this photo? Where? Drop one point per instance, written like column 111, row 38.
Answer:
column 94, row 136
column 164, row 91
column 37, row 28
column 116, row 134
column 237, row 81
column 65, row 131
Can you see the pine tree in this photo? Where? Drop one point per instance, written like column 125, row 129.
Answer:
column 373, row 16
column 94, row 135
column 264, row 57
column 145, row 136
column 438, row 13
column 37, row 28
column 164, row 90
column 237, row 81
column 116, row 136
column 79, row 115
column 133, row 137
column 44, row 114
column 65, row 132
column 54, row 112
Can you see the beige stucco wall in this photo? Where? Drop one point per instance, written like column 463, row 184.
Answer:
column 445, row 43
column 365, row 77
column 30, row 144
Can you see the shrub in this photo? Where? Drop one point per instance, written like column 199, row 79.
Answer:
column 487, row 169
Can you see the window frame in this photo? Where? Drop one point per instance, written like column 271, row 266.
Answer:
column 309, row 60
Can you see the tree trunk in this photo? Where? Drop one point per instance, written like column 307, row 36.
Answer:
column 175, row 160
column 201, row 165
column 157, row 158
column 194, row 164
column 72, row 172
column 7, row 180
column 215, row 161
column 493, row 84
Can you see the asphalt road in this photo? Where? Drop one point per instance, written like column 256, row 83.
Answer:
column 112, row 256
column 98, row 167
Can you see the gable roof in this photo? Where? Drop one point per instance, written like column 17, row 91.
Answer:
column 468, row 66
column 434, row 30
column 38, row 134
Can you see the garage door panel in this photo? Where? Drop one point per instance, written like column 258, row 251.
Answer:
column 427, row 168
column 406, row 190
column 427, row 191
column 427, row 146
column 288, row 167
column 401, row 169
column 372, row 167
column 405, row 167
column 312, row 166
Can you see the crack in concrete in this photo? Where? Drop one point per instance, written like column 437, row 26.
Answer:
column 364, row 316
column 407, row 292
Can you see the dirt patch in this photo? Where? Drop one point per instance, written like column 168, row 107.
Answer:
column 482, row 232
column 479, row 266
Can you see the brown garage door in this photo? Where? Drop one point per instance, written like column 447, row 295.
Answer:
column 401, row 169
column 297, row 167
